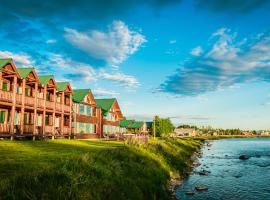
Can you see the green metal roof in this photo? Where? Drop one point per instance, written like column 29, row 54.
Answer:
column 25, row 71
column 126, row 123
column 137, row 124
column 61, row 86
column 131, row 124
column 79, row 94
column 45, row 79
column 105, row 104
column 4, row 62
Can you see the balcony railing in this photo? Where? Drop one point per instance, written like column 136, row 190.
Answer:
column 50, row 105
column 18, row 99
column 66, row 108
column 48, row 129
column 29, row 101
column 4, row 128
column 28, row 128
column 66, row 130
column 58, row 106
column 6, row 96
column 40, row 103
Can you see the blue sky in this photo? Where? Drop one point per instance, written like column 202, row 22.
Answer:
column 203, row 62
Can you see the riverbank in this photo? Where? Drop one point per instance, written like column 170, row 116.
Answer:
column 70, row 169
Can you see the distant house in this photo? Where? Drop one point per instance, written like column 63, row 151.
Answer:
column 185, row 132
column 132, row 126
column 85, row 114
column 149, row 127
column 110, row 117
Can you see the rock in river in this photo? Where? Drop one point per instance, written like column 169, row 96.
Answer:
column 189, row 192
column 201, row 188
column 243, row 157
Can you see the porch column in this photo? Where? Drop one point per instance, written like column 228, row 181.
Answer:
column 22, row 109
column 44, row 110
column 75, row 108
column 1, row 80
column 53, row 115
column 70, row 115
column 62, row 112
column 35, row 109
column 13, row 109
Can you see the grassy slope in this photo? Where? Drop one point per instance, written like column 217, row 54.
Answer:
column 63, row 169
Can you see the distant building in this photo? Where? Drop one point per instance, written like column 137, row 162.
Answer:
column 185, row 132
column 132, row 126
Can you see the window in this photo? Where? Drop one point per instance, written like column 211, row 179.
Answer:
column 81, row 109
column 81, row 127
column 2, row 116
column 88, row 128
column 47, row 120
column 5, row 86
column 88, row 110
column 27, row 92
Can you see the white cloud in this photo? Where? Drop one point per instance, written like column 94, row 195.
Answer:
column 196, row 51
column 103, row 92
column 51, row 41
column 20, row 58
column 126, row 80
column 172, row 41
column 228, row 63
column 113, row 46
column 72, row 69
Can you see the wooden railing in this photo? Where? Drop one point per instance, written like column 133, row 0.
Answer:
column 28, row 128
column 29, row 101
column 50, row 105
column 66, row 130
column 6, row 96
column 48, row 129
column 66, row 108
column 4, row 128
column 18, row 99
column 40, row 103
column 58, row 106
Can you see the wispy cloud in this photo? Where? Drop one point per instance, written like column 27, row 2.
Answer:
column 20, row 58
column 172, row 41
column 113, row 46
column 229, row 62
column 196, row 51
column 102, row 92
column 70, row 69
column 127, row 81
column 51, row 41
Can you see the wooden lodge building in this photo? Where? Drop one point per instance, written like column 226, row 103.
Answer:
column 38, row 106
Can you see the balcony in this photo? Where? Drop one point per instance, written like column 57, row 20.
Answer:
column 66, row 130
column 48, row 130
column 40, row 103
column 58, row 106
column 50, row 105
column 6, row 96
column 28, row 128
column 4, row 128
column 18, row 99
column 66, row 108
column 29, row 101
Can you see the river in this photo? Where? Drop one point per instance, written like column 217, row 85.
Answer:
column 230, row 178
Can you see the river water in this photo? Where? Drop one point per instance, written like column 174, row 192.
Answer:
column 229, row 177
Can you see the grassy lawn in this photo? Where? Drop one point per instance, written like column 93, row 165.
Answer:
column 72, row 169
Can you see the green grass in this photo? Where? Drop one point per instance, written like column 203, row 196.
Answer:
column 70, row 169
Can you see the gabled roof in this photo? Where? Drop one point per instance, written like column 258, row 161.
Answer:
column 4, row 62
column 79, row 94
column 137, row 124
column 45, row 79
column 62, row 86
column 25, row 71
column 105, row 104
